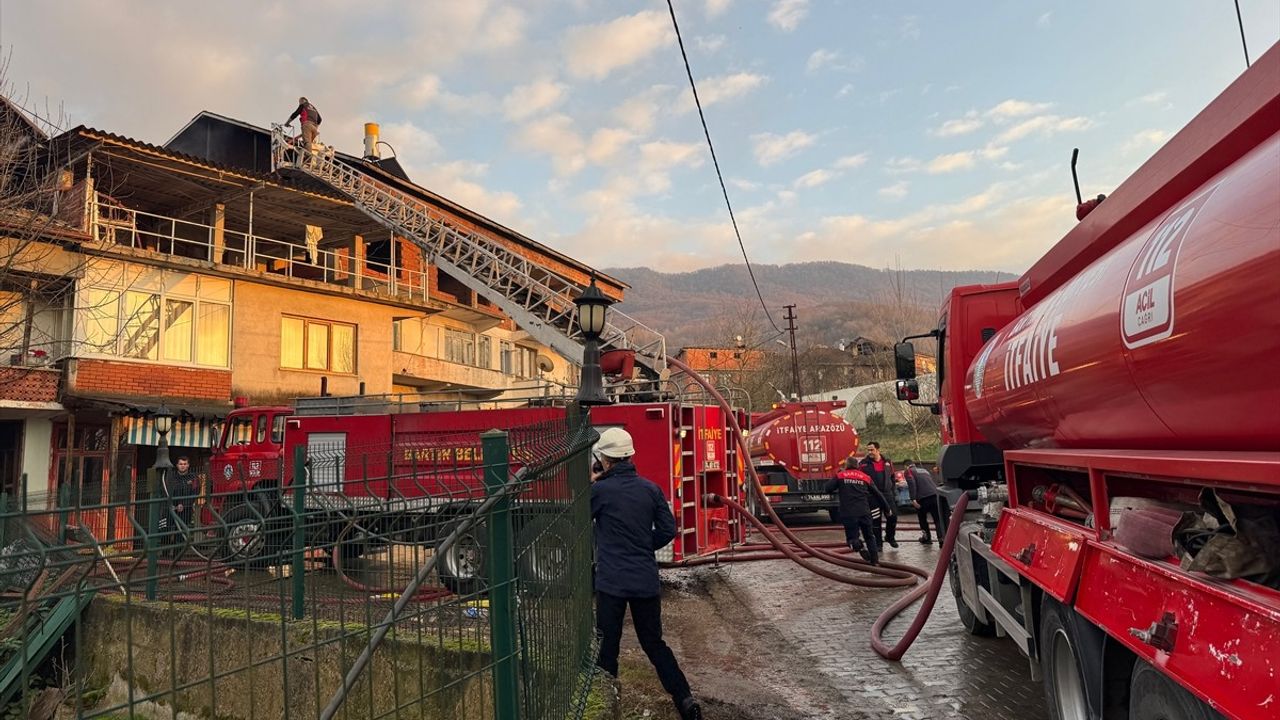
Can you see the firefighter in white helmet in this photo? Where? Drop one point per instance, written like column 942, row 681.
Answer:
column 632, row 521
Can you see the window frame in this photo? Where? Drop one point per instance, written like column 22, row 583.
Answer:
column 116, row 295
column 306, row 362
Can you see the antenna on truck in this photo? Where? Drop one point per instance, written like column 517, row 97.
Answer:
column 1082, row 208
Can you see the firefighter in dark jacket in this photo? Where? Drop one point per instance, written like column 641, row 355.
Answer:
column 310, row 120
column 632, row 521
column 857, row 494
column 880, row 470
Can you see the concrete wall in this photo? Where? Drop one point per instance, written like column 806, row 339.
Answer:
column 255, row 343
column 225, row 640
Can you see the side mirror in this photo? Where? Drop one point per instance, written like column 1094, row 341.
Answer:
column 907, row 390
column 904, row 360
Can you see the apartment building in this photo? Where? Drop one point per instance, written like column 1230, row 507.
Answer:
column 190, row 275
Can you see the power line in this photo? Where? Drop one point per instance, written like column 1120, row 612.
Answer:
column 1240, row 20
column 714, row 161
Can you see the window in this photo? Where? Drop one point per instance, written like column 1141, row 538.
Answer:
column 262, row 428
column 317, row 345
column 714, row 354
column 506, row 357
column 240, row 431
column 460, row 347
column 160, row 315
column 518, row 360
column 277, row 429
column 484, row 352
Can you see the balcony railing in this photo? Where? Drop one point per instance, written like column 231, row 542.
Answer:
column 113, row 224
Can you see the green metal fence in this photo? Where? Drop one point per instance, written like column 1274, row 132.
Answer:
column 447, row 576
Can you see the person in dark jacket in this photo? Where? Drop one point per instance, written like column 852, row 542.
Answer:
column 924, row 498
column 632, row 521
column 880, row 470
column 181, row 487
column 310, row 117
column 857, row 494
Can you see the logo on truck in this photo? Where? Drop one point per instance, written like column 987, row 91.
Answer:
column 1146, row 314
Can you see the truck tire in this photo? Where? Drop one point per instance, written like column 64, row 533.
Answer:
column 463, row 566
column 968, row 617
column 252, row 537
column 1061, row 666
column 544, row 562
column 1153, row 696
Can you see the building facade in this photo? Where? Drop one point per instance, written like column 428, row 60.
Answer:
column 189, row 276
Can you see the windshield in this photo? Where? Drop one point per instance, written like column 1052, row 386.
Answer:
column 239, row 431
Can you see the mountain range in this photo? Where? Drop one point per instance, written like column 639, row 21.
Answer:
column 834, row 301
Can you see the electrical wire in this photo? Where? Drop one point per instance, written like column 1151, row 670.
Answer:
column 715, row 162
column 1240, row 20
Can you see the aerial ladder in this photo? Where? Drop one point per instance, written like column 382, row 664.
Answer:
column 539, row 300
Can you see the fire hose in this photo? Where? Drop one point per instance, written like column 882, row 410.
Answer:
column 895, row 575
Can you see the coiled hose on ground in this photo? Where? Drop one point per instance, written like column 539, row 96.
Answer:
column 893, row 574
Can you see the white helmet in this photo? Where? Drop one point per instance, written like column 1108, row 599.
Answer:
column 615, row 443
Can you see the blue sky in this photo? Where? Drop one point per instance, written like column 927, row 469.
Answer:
column 937, row 133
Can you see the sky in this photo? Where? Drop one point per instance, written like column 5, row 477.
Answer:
column 937, row 135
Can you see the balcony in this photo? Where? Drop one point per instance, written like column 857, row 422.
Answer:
column 34, row 388
column 115, row 227
column 433, row 374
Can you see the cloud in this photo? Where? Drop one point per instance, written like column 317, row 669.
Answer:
column 607, row 143
column 959, row 126
column 1043, row 125
column 821, row 58
column 896, row 191
column 1151, row 98
column 910, row 29
column 639, row 112
column 1010, row 109
column 897, row 165
column 848, row 162
column 1144, row 141
column 845, row 90
column 951, row 162
column 422, row 91
column 816, row 178
column 770, row 149
column 556, row 137
column 716, row 7
column 659, row 158
column 709, row 43
column 456, row 180
column 742, row 184
column 787, row 14
column 719, row 88
column 536, row 97
column 595, row 51
column 1045, row 19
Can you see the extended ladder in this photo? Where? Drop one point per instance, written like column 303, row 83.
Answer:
column 539, row 300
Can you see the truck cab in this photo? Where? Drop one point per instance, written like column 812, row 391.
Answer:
column 249, row 456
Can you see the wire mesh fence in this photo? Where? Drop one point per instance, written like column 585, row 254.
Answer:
column 441, row 575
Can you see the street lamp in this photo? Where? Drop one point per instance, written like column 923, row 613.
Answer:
column 164, row 423
column 593, row 306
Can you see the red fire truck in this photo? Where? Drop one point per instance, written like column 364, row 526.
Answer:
column 1126, row 381
column 365, row 452
column 796, row 448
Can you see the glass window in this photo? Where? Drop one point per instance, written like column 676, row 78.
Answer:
column 240, row 431
column 262, row 428
column 140, row 335
column 460, row 347
column 317, row 346
column 101, row 319
column 277, row 429
column 484, row 352
column 344, row 349
column 506, row 356
column 213, row 341
column 407, row 336
column 178, row 326
column 292, row 350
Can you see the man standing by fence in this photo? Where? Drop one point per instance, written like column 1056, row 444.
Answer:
column 632, row 521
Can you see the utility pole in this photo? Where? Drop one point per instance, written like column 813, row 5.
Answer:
column 795, row 360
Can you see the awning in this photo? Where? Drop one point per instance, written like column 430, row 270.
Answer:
column 194, row 433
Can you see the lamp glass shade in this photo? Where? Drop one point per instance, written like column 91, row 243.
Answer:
column 591, row 318
column 164, row 420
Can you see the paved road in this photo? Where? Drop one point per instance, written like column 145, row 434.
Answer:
column 825, row 628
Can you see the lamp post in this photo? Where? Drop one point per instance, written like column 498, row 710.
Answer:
column 593, row 306
column 163, row 423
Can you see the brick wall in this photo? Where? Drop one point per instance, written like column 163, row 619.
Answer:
column 701, row 358
column 147, row 380
column 29, row 384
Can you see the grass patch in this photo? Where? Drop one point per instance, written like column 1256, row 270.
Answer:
column 897, row 443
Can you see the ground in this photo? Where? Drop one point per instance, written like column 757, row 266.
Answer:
column 771, row 641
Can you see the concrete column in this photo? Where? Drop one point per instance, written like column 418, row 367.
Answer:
column 219, row 232
column 357, row 261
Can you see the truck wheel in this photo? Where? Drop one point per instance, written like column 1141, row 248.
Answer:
column 833, row 514
column 463, row 566
column 1153, row 696
column 968, row 617
column 1060, row 665
column 545, row 561
column 253, row 537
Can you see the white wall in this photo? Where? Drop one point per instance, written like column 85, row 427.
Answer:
column 36, row 443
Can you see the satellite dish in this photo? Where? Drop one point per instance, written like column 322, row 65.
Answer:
column 544, row 363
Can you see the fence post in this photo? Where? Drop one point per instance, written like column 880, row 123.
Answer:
column 64, row 511
column 153, row 529
column 299, row 486
column 502, row 610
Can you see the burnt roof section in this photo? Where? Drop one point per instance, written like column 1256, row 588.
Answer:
column 232, row 143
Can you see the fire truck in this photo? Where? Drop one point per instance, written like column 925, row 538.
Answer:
column 1119, row 394
column 796, row 447
column 366, row 454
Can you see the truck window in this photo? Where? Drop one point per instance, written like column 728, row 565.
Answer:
column 240, row 431
column 277, row 430
column 262, row 428
column 942, row 352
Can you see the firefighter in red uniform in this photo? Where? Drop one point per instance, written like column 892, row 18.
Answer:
column 857, row 493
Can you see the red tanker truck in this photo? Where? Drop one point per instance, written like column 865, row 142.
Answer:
column 796, row 448
column 1117, row 410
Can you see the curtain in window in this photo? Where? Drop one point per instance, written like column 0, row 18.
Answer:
column 178, row 326
column 292, row 332
column 214, row 338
